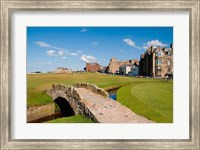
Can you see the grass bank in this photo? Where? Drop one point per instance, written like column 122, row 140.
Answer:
column 38, row 83
column 72, row 119
column 148, row 97
column 154, row 100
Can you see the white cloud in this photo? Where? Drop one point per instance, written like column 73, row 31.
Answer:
column 121, row 51
column 95, row 43
column 58, row 48
column 79, row 52
column 49, row 62
column 51, row 53
column 73, row 54
column 60, row 53
column 63, row 57
column 84, row 30
column 88, row 59
column 130, row 43
column 154, row 43
column 42, row 44
column 144, row 46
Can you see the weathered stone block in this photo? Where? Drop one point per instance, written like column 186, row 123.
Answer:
column 59, row 87
column 53, row 86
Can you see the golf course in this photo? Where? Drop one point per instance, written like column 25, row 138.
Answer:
column 148, row 97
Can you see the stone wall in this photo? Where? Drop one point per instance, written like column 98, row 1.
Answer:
column 36, row 112
column 93, row 88
column 74, row 99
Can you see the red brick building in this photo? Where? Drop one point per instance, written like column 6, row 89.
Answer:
column 92, row 67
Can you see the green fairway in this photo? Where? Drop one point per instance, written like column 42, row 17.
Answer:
column 72, row 119
column 147, row 97
column 152, row 100
column 38, row 83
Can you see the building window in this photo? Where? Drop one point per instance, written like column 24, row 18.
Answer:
column 169, row 53
column 168, row 62
column 169, row 69
column 159, row 53
column 158, row 61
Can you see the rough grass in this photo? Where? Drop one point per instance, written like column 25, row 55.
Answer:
column 72, row 119
column 154, row 100
column 38, row 83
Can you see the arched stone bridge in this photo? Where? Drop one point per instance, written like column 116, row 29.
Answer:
column 92, row 102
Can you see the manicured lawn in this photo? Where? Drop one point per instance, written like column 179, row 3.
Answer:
column 154, row 100
column 147, row 97
column 38, row 83
column 72, row 119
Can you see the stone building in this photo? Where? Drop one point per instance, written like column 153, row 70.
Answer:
column 62, row 70
column 114, row 64
column 157, row 62
column 92, row 67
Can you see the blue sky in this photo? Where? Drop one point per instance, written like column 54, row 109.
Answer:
column 71, row 47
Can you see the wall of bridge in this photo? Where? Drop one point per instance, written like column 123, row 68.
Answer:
column 93, row 88
column 74, row 98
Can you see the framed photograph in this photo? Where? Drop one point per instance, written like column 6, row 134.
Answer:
column 100, row 74
column 101, row 80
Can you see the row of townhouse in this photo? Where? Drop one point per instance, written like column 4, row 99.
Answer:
column 157, row 62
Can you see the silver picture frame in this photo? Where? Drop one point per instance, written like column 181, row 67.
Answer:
column 8, row 7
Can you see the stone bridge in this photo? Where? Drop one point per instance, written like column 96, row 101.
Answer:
column 92, row 102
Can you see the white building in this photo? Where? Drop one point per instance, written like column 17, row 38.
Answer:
column 134, row 71
column 124, row 70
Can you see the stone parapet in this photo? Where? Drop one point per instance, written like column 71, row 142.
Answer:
column 93, row 88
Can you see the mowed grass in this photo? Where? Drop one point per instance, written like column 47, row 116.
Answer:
column 38, row 83
column 147, row 97
column 151, row 100
column 72, row 119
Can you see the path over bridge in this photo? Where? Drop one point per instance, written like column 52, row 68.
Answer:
column 94, row 103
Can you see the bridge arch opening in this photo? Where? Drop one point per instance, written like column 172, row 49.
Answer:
column 64, row 106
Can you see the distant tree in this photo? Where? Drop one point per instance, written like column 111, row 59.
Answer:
column 84, row 68
column 38, row 72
